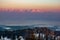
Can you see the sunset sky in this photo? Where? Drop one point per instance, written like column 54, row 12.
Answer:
column 46, row 10
column 30, row 4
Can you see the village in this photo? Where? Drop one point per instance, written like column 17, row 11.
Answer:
column 37, row 33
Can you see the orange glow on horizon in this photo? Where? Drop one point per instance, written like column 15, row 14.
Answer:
column 21, row 5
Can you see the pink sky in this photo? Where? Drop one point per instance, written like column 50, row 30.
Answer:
column 40, row 5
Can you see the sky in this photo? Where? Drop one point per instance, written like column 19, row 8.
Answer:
column 30, row 4
column 14, row 11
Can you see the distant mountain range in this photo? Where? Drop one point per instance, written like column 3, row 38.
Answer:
column 17, row 27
